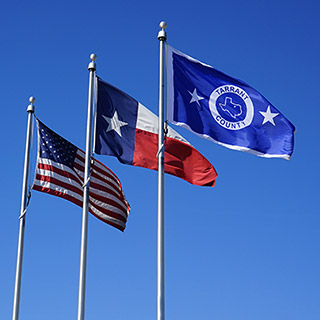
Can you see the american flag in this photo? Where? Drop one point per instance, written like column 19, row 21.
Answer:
column 60, row 172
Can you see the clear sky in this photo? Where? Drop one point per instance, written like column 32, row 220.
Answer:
column 246, row 249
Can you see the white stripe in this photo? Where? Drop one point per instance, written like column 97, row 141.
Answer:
column 98, row 181
column 107, row 196
column 148, row 121
column 96, row 203
column 54, row 187
column 112, row 184
column 106, row 217
column 103, row 185
column 80, row 172
column 56, row 165
column 81, row 153
column 230, row 146
column 103, row 178
column 63, row 179
column 170, row 50
column 94, row 207
column 104, row 168
column 99, row 204
column 81, row 163
column 49, row 173
column 99, row 213
column 96, row 191
column 96, row 164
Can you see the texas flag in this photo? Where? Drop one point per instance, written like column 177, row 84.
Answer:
column 129, row 131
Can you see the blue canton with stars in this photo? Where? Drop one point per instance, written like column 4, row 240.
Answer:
column 56, row 148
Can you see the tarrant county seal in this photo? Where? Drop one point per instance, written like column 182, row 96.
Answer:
column 231, row 107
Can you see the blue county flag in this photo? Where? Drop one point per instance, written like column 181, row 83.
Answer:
column 129, row 131
column 223, row 109
column 60, row 172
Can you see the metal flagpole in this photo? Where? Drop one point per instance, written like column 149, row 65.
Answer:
column 17, row 286
column 162, row 36
column 84, row 231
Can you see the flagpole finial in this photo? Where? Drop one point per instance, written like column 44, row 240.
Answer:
column 163, row 25
column 92, row 65
column 162, row 35
column 31, row 106
column 93, row 57
column 32, row 99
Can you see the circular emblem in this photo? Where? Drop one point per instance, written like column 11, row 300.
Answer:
column 231, row 107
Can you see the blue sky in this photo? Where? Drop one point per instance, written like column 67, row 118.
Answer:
column 247, row 248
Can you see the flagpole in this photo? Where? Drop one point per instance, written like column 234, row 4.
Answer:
column 162, row 36
column 84, row 231
column 17, row 286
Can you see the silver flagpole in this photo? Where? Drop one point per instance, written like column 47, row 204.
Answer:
column 84, row 231
column 162, row 36
column 17, row 286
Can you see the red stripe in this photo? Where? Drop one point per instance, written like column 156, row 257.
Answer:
column 116, row 184
column 109, row 212
column 58, row 194
column 79, row 192
column 181, row 159
column 59, row 183
column 106, row 171
column 104, row 188
column 72, row 177
column 104, row 185
column 121, row 228
column 78, row 166
column 80, row 157
column 61, row 172
column 74, row 186
column 107, row 200
column 79, row 203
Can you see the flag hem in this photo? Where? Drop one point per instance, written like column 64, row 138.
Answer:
column 230, row 146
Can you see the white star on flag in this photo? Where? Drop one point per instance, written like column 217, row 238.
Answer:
column 115, row 124
column 195, row 97
column 268, row 116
